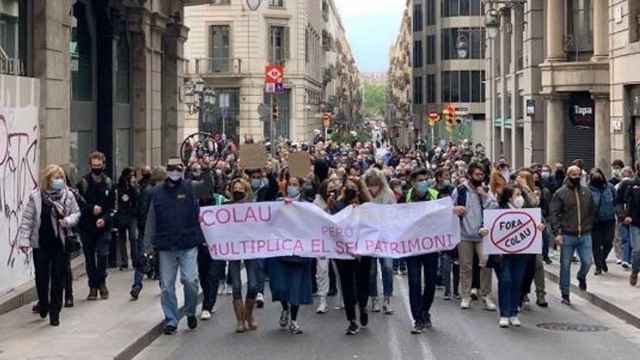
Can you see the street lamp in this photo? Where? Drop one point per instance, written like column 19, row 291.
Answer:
column 492, row 23
column 254, row 4
column 200, row 99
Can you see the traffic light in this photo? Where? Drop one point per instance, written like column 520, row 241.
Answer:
column 274, row 112
column 450, row 116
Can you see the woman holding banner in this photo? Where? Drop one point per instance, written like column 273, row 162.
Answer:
column 290, row 276
column 241, row 193
column 354, row 274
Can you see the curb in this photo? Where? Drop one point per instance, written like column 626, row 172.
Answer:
column 143, row 341
column 26, row 293
column 600, row 302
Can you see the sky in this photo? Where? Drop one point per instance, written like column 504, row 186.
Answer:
column 372, row 27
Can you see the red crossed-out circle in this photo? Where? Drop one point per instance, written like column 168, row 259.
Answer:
column 499, row 239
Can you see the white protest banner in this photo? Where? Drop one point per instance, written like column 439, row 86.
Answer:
column 271, row 229
column 513, row 231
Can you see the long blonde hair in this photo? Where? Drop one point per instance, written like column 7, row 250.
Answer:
column 49, row 173
column 375, row 177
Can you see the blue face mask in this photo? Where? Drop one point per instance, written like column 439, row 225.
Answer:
column 293, row 191
column 422, row 187
column 57, row 185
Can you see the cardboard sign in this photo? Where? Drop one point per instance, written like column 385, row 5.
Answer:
column 299, row 164
column 513, row 231
column 253, row 156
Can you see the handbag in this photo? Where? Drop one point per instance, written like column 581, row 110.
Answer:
column 72, row 243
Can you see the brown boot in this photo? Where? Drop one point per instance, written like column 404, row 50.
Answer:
column 104, row 292
column 238, row 308
column 93, row 294
column 248, row 308
column 633, row 279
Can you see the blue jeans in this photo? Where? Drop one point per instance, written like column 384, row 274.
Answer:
column 625, row 240
column 581, row 244
column 386, row 265
column 261, row 275
column 421, row 298
column 635, row 244
column 187, row 261
column 252, row 278
column 510, row 276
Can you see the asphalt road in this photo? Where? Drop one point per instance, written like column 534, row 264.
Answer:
column 457, row 334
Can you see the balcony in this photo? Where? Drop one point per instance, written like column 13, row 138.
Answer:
column 214, row 67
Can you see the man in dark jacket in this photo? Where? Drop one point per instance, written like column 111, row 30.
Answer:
column 572, row 215
column 95, row 224
column 629, row 203
column 421, row 299
column 174, row 230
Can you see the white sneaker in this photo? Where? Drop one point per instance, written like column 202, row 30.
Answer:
column 228, row 290
column 489, row 305
column 214, row 309
column 515, row 321
column 465, row 303
column 503, row 322
column 206, row 315
column 322, row 307
column 375, row 305
column 260, row 300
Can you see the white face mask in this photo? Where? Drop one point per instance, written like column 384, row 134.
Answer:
column 174, row 175
column 518, row 202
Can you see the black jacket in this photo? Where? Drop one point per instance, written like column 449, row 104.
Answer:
column 572, row 211
column 96, row 194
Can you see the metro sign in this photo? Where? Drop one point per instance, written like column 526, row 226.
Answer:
column 274, row 74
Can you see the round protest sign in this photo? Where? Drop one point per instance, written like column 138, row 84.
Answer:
column 514, row 232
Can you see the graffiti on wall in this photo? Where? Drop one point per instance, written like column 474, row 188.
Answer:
column 19, row 168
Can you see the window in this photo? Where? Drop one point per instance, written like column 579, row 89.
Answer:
column 580, row 29
column 431, row 49
column 417, row 54
column 219, row 50
column 81, row 50
column 281, row 125
column 430, row 9
column 431, row 89
column 276, row 3
column 463, row 86
column 220, row 2
column 278, row 45
column 417, row 18
column 13, row 36
column 306, row 45
column 461, row 8
column 474, row 38
column 417, row 90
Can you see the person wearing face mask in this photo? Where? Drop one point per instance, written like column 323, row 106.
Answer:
column 96, row 223
column 173, row 228
column 290, row 276
column 624, row 235
column 616, row 172
column 354, row 274
column 604, row 197
column 157, row 176
column 572, row 214
column 421, row 294
column 629, row 211
column 380, row 194
column 45, row 227
column 510, row 268
column 470, row 200
column 127, row 194
column 326, row 199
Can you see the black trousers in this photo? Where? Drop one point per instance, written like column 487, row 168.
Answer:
column 96, row 252
column 421, row 297
column 209, row 273
column 354, row 280
column 51, row 271
column 68, row 279
column 602, row 236
column 529, row 275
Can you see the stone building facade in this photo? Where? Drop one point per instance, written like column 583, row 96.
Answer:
column 229, row 46
column 110, row 77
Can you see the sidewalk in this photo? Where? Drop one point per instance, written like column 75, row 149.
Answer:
column 611, row 291
column 116, row 328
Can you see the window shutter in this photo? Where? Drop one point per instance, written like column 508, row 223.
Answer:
column 211, row 37
column 270, row 44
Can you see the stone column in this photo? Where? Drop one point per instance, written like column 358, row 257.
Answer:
column 602, row 132
column 555, row 129
column 555, row 34
column 138, row 24
column 600, row 30
column 517, row 145
column 173, row 105
column 504, row 37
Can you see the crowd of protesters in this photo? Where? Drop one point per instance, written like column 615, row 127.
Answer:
column 148, row 219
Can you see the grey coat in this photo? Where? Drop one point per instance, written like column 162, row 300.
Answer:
column 29, row 230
